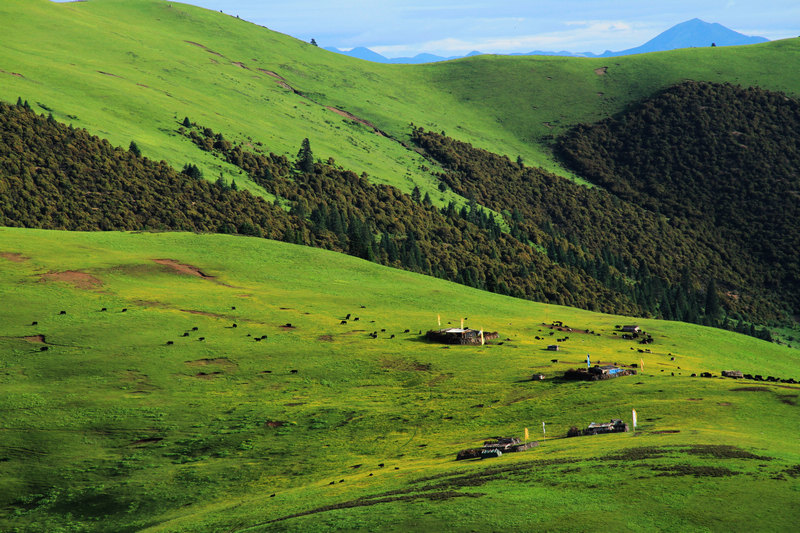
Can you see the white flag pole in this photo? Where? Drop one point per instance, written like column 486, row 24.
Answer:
column 544, row 433
column 633, row 414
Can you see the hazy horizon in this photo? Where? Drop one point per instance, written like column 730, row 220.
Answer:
column 446, row 27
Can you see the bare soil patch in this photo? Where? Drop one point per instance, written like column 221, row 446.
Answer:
column 240, row 64
column 190, row 270
column 601, row 71
column 219, row 361
column 80, row 280
column 14, row 257
column 750, row 389
column 35, row 339
column 275, row 423
column 183, row 268
column 325, row 338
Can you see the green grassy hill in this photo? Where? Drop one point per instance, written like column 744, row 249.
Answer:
column 113, row 428
column 133, row 69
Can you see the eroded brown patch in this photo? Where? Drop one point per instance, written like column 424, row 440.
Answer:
column 275, row 423
column 207, row 49
column 601, row 71
column 183, row 268
column 270, row 73
column 219, row 361
column 750, row 389
column 80, row 280
column 208, row 375
column 35, row 339
column 14, row 257
column 204, row 313
column 354, row 118
column 239, row 64
column 325, row 338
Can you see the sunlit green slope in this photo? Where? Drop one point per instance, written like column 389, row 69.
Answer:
column 131, row 419
column 132, row 69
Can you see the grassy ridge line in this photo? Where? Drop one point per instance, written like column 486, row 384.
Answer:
column 154, row 78
column 508, row 105
column 354, row 400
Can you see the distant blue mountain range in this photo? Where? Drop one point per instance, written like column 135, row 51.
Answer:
column 690, row 34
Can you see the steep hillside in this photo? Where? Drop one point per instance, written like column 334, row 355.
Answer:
column 719, row 159
column 56, row 177
column 128, row 70
column 151, row 404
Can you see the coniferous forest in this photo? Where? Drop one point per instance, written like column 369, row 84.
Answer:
column 553, row 240
column 718, row 160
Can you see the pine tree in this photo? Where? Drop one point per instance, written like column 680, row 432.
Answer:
column 134, row 149
column 186, row 122
column 314, row 42
column 713, row 308
column 305, row 158
column 416, row 195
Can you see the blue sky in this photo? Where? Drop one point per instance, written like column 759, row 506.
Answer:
column 454, row 27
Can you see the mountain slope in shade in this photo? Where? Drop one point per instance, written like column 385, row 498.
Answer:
column 690, row 34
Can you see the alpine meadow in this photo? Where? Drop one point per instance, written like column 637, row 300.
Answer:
column 248, row 284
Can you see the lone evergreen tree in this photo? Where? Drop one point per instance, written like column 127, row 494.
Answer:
column 186, row 122
column 713, row 308
column 134, row 149
column 314, row 42
column 305, row 158
column 416, row 195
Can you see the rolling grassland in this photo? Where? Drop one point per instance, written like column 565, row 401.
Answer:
column 129, row 421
